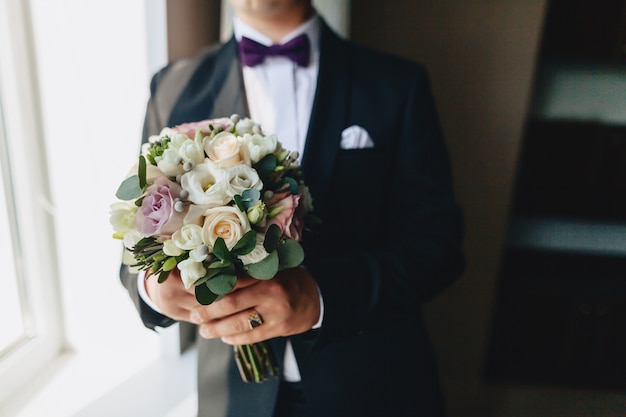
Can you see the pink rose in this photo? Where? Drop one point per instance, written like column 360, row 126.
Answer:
column 290, row 219
column 189, row 129
column 157, row 216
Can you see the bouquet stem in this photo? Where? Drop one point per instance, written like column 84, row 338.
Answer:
column 255, row 362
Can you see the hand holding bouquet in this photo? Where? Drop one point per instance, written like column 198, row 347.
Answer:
column 214, row 199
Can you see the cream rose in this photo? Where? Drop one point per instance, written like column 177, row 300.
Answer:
column 224, row 149
column 227, row 222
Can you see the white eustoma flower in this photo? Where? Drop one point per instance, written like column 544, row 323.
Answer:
column 246, row 126
column 122, row 216
column 240, row 178
column 191, row 271
column 206, row 185
column 131, row 238
column 258, row 146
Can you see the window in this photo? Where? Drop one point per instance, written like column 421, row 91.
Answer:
column 29, row 300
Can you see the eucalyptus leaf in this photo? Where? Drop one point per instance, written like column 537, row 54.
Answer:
column 220, row 249
column 272, row 237
column 293, row 184
column 222, row 283
column 210, row 273
column 129, row 189
column 250, row 197
column 265, row 269
column 241, row 205
column 266, row 166
column 142, row 172
column 246, row 244
column 220, row 265
column 204, row 295
column 291, row 254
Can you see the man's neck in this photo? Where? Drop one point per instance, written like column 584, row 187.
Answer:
column 276, row 28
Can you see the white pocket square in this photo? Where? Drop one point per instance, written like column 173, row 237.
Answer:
column 355, row 137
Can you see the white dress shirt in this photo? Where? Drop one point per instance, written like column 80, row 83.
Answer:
column 280, row 97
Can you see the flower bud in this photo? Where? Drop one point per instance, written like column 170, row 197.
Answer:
column 256, row 213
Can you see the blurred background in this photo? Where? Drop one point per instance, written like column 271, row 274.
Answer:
column 532, row 100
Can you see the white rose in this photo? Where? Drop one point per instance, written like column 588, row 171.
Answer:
column 122, row 216
column 227, row 222
column 258, row 253
column 224, row 149
column 188, row 237
column 191, row 271
column 258, row 146
column 206, row 185
column 240, row 178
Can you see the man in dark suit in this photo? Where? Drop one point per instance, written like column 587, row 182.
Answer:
column 346, row 326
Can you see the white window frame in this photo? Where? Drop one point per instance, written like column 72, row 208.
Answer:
column 35, row 254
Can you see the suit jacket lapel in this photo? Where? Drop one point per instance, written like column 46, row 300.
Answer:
column 214, row 90
column 329, row 115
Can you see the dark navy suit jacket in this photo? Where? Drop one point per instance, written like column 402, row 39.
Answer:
column 390, row 237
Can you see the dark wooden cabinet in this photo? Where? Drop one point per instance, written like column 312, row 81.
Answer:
column 585, row 30
column 559, row 320
column 572, row 169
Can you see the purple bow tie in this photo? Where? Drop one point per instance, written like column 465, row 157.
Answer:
column 253, row 53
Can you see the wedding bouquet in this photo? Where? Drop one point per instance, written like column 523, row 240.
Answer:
column 214, row 198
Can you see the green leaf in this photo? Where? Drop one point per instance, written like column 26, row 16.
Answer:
column 220, row 264
column 291, row 254
column 293, row 185
column 266, row 165
column 265, row 269
column 240, row 203
column 222, row 283
column 142, row 172
column 163, row 276
column 204, row 295
column 272, row 237
column 220, row 249
column 129, row 189
column 209, row 274
column 245, row 244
